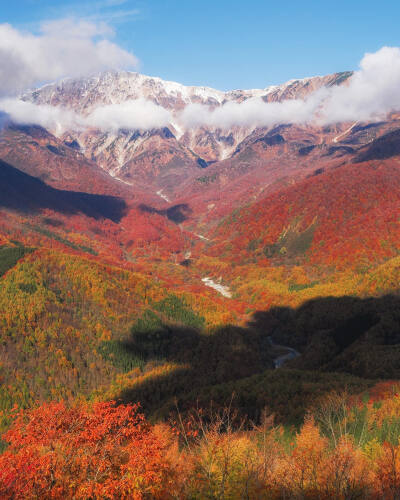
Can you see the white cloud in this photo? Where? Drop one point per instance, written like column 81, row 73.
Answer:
column 252, row 112
column 369, row 94
column 136, row 114
column 64, row 47
column 50, row 117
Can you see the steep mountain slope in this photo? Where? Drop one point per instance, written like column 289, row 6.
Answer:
column 43, row 177
column 347, row 216
column 37, row 152
column 22, row 192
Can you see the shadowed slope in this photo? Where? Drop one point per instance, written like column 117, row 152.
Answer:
column 35, row 151
column 24, row 193
column 342, row 342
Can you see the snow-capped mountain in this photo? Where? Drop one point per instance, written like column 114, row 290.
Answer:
column 172, row 157
column 84, row 95
column 208, row 168
column 134, row 154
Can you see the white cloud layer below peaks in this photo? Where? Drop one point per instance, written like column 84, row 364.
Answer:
column 79, row 48
column 132, row 115
column 369, row 94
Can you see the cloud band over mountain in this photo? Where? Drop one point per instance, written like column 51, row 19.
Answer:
column 66, row 48
column 369, row 94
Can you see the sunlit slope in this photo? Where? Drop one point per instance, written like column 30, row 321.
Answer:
column 348, row 217
column 60, row 314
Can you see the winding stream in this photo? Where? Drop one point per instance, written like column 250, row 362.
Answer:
column 279, row 360
column 290, row 354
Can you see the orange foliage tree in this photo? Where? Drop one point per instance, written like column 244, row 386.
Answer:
column 98, row 451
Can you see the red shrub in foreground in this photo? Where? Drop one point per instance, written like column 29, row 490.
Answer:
column 99, row 451
column 103, row 451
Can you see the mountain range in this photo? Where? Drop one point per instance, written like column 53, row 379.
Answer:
column 207, row 165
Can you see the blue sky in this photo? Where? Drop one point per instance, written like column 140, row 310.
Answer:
column 231, row 44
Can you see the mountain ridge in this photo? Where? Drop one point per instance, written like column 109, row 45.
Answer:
column 172, row 88
column 134, row 155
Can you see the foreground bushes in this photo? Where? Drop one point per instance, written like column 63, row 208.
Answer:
column 101, row 451
column 344, row 450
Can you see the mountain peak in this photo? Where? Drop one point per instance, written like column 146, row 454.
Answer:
column 115, row 87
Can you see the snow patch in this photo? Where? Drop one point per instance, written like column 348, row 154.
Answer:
column 222, row 289
column 335, row 140
column 114, row 176
column 201, row 237
column 163, row 196
column 179, row 131
column 125, row 182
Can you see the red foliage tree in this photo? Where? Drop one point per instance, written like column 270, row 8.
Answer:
column 98, row 451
